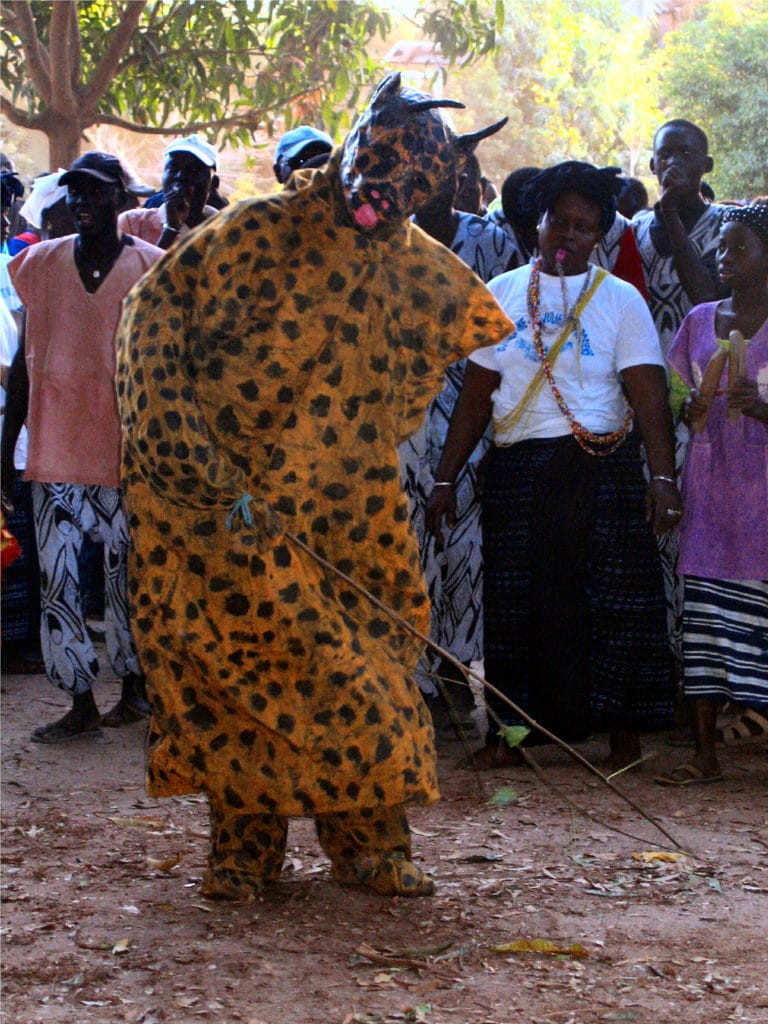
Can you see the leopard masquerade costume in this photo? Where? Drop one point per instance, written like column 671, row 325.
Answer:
column 267, row 369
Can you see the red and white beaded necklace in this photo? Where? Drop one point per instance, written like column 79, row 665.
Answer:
column 593, row 444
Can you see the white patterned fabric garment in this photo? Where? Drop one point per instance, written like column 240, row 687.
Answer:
column 607, row 252
column 483, row 246
column 667, row 299
column 454, row 576
column 669, row 304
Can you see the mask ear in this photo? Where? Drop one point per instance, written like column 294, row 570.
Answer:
column 709, row 163
column 652, row 165
column 389, row 87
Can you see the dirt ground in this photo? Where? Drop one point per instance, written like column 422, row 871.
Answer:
column 103, row 920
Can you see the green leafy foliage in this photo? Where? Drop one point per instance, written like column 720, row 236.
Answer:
column 583, row 79
column 227, row 67
column 714, row 71
column 572, row 77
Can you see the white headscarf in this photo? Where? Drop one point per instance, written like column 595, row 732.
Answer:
column 46, row 191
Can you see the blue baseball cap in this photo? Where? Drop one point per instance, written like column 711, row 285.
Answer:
column 296, row 140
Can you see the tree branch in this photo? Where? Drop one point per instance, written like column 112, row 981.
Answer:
column 20, row 118
column 38, row 63
column 133, row 59
column 118, row 44
column 76, row 62
column 252, row 119
column 62, row 94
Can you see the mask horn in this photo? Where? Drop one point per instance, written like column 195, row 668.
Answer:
column 468, row 143
column 431, row 104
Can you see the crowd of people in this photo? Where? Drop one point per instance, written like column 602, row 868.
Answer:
column 533, row 425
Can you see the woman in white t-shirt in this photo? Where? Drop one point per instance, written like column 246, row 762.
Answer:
column 575, row 628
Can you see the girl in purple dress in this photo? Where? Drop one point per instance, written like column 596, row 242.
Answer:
column 724, row 528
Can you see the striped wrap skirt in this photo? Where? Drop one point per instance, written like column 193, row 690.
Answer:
column 725, row 640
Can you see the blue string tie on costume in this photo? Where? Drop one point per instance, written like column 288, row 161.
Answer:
column 241, row 507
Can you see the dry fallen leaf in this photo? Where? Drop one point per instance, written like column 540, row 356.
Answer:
column 540, row 946
column 121, row 946
column 164, row 865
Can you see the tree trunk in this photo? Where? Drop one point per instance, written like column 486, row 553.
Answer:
column 63, row 142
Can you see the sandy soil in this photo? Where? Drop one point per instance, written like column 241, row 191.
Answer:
column 103, row 920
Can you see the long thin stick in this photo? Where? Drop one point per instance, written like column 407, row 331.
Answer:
column 497, row 693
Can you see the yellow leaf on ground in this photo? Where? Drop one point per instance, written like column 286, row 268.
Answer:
column 540, row 946
column 647, row 856
column 121, row 946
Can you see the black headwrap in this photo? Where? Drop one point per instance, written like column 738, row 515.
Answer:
column 755, row 216
column 603, row 184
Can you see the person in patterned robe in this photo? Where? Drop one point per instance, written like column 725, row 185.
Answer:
column 267, row 372
column 453, row 569
column 677, row 240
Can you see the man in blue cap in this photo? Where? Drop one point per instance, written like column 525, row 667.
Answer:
column 304, row 146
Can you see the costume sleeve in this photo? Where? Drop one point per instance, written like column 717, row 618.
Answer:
column 166, row 438
column 463, row 316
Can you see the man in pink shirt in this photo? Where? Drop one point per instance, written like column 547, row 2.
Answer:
column 188, row 172
column 62, row 383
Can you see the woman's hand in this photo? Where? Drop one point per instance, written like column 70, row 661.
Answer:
column 744, row 395
column 663, row 506
column 694, row 409
column 440, row 507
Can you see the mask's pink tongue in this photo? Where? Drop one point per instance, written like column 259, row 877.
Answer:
column 365, row 216
column 560, row 256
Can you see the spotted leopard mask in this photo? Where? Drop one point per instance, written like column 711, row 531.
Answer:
column 396, row 156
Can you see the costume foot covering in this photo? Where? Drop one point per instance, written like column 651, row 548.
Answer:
column 389, row 875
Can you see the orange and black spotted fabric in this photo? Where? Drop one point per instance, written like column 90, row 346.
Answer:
column 281, row 354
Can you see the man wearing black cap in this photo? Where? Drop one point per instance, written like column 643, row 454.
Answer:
column 304, row 146
column 188, row 173
column 62, row 384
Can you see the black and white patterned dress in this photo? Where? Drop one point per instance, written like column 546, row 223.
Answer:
column 669, row 304
column 454, row 576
